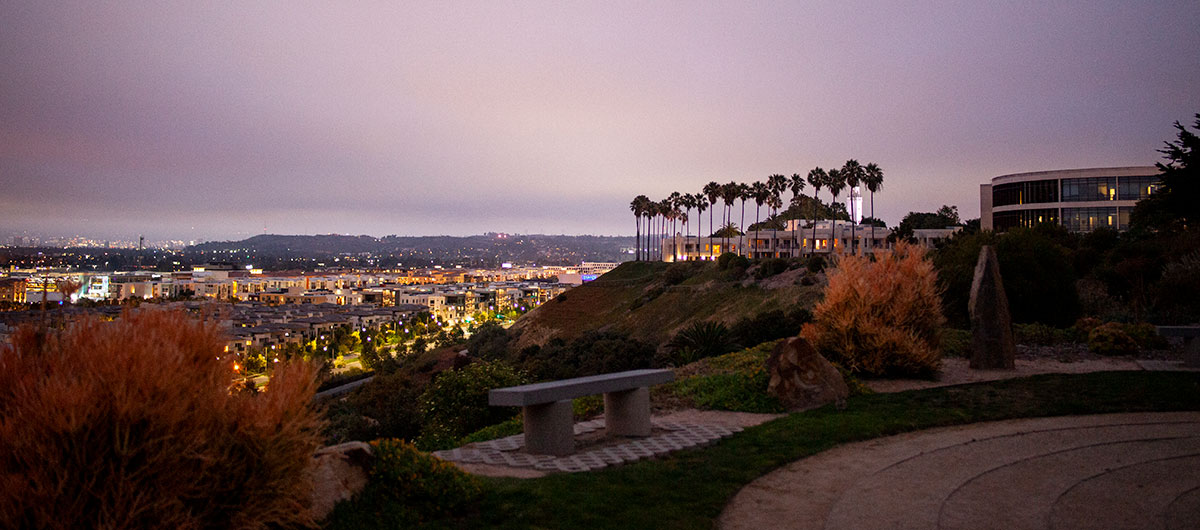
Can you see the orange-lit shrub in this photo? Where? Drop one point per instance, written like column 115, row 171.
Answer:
column 132, row 424
column 880, row 316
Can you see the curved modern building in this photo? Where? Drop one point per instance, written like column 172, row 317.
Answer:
column 1080, row 199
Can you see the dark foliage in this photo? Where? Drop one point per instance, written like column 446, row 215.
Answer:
column 593, row 353
column 769, row 325
column 700, row 340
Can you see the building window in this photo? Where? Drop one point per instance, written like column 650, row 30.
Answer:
column 1089, row 189
column 1089, row 219
column 1137, row 188
column 1003, row 221
column 1025, row 192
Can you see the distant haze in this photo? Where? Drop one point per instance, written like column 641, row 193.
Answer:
column 220, row 120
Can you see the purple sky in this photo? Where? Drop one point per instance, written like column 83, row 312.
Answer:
column 219, row 120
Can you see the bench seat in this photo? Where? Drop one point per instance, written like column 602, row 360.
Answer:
column 551, row 391
column 549, row 418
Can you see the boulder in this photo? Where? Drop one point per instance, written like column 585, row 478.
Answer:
column 338, row 472
column 801, row 378
column 992, row 345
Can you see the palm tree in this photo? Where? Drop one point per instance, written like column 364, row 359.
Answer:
column 836, row 182
column 817, row 178
column 760, row 193
column 777, row 184
column 873, row 179
column 852, row 171
column 673, row 200
column 712, row 191
column 729, row 193
column 796, row 184
column 638, row 207
column 744, row 193
column 701, row 205
column 651, row 215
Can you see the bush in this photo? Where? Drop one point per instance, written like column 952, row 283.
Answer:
column 391, row 400
column 1111, row 339
column 882, row 316
column 407, row 488
column 730, row 260
column 770, row 267
column 700, row 340
column 595, row 352
column 1041, row 334
column 132, row 424
column 769, row 326
column 815, row 264
column 956, row 342
column 1146, row 336
column 456, row 402
column 741, row 392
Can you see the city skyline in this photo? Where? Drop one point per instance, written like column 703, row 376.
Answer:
column 212, row 122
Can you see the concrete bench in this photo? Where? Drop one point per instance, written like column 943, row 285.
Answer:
column 549, row 419
column 1191, row 346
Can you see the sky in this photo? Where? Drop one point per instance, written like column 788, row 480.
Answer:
column 222, row 120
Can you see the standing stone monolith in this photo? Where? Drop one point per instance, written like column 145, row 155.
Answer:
column 992, row 345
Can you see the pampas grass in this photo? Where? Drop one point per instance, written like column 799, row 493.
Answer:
column 132, row 424
column 881, row 315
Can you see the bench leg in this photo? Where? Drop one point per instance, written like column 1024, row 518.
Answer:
column 627, row 413
column 549, row 428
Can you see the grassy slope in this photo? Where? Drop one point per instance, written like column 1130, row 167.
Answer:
column 690, row 489
column 613, row 301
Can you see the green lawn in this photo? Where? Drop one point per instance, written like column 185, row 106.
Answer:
column 689, row 489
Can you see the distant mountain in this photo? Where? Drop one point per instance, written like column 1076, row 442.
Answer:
column 480, row 250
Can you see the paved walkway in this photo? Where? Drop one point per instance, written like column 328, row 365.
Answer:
column 1107, row 471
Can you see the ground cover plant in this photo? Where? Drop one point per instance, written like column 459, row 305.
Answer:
column 648, row 494
column 133, row 424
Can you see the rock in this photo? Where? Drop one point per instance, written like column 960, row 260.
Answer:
column 338, row 472
column 992, row 345
column 801, row 378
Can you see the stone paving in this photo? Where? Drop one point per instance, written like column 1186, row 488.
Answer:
column 1106, row 471
column 669, row 436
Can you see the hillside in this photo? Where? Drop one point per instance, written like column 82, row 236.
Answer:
column 480, row 250
column 651, row 301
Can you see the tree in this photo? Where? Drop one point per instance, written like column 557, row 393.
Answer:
column 817, row 177
column 777, row 184
column 796, row 184
column 1175, row 204
column 712, row 191
column 836, row 182
column 638, row 207
column 873, row 179
column 701, row 205
column 744, row 193
column 729, row 193
column 946, row 216
column 760, row 193
column 852, row 171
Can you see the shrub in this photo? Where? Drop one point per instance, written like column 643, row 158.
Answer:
column 407, row 488
column 741, row 392
column 456, row 403
column 881, row 316
column 700, row 340
column 132, row 424
column 769, row 325
column 956, row 342
column 594, row 352
column 391, row 400
column 1146, row 336
column 815, row 264
column 1084, row 326
column 770, row 267
column 1041, row 334
column 1111, row 339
